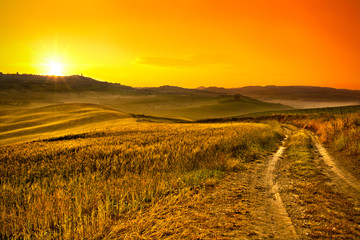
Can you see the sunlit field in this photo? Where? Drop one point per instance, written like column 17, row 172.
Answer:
column 81, row 186
column 56, row 120
column 179, row 119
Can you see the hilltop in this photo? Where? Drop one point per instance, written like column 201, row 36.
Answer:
column 28, row 82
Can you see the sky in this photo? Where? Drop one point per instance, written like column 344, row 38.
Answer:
column 187, row 43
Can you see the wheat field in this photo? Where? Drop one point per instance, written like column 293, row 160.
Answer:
column 79, row 186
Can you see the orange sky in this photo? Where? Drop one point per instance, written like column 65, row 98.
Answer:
column 188, row 43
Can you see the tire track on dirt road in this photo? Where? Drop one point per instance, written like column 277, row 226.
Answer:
column 343, row 177
column 320, row 203
column 282, row 225
column 260, row 211
column 267, row 218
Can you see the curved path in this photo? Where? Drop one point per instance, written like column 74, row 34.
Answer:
column 282, row 224
column 344, row 175
column 259, row 203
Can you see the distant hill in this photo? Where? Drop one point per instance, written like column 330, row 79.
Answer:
column 294, row 95
column 32, row 91
column 173, row 90
column 24, row 89
column 27, row 82
column 227, row 107
column 76, row 83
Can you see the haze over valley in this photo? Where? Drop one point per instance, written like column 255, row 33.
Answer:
column 31, row 91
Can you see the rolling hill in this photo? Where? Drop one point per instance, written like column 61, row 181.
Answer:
column 31, row 91
column 25, row 89
column 295, row 96
column 28, row 82
column 56, row 120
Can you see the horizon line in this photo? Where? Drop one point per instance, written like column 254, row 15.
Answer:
column 167, row 85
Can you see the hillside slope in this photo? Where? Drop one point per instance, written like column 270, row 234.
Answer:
column 194, row 107
column 24, row 89
column 227, row 107
column 28, row 82
column 31, row 91
column 296, row 96
column 56, row 120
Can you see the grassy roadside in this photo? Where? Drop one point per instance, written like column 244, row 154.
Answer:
column 316, row 209
column 339, row 132
column 82, row 186
column 338, row 128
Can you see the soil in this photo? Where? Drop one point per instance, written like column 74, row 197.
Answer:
column 247, row 205
column 339, row 174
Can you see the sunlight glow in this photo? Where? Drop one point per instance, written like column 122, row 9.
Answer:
column 55, row 68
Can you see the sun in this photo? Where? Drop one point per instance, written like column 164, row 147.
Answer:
column 55, row 68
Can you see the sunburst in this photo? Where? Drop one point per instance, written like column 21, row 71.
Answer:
column 55, row 68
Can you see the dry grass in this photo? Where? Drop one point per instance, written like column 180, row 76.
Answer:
column 56, row 120
column 316, row 208
column 82, row 185
column 340, row 132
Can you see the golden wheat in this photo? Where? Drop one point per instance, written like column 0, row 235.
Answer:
column 79, row 186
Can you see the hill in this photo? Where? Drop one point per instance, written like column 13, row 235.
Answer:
column 25, row 89
column 330, row 112
column 296, row 96
column 56, row 120
column 28, row 82
column 31, row 91
column 193, row 107
column 174, row 90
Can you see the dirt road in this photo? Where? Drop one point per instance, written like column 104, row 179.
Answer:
column 281, row 223
column 284, row 198
column 262, row 213
column 338, row 174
